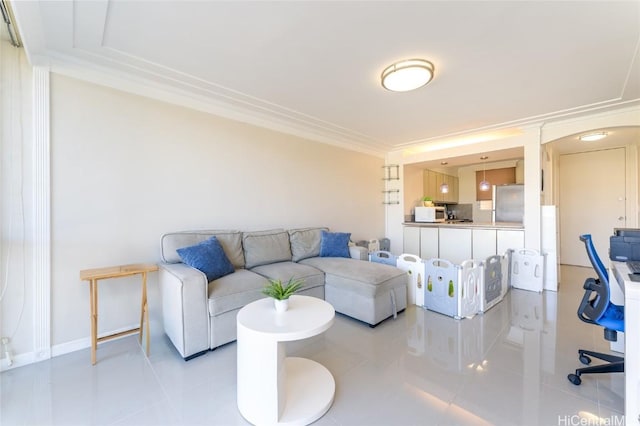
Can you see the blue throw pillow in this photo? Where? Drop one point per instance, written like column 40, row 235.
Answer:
column 334, row 244
column 209, row 257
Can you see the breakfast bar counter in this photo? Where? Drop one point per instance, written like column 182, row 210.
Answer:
column 458, row 241
column 471, row 225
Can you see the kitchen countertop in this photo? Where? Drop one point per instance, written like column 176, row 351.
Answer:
column 458, row 224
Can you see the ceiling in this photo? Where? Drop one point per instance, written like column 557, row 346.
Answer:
column 313, row 68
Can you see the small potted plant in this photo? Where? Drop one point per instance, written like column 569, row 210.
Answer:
column 281, row 293
column 427, row 201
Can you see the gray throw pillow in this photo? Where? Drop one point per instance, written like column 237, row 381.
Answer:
column 305, row 242
column 262, row 248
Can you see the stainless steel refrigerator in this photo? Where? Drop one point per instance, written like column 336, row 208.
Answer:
column 508, row 203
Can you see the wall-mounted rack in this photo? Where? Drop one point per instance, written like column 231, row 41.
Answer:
column 391, row 196
column 391, row 172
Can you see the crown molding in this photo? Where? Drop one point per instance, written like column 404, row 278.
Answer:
column 197, row 94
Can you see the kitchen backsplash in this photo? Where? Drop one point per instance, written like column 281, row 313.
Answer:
column 462, row 211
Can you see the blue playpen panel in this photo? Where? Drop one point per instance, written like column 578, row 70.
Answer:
column 441, row 289
column 381, row 256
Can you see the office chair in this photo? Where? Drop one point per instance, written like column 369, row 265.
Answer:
column 596, row 308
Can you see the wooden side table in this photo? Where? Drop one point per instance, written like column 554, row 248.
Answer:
column 93, row 276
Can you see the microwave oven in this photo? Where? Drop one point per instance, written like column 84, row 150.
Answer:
column 430, row 214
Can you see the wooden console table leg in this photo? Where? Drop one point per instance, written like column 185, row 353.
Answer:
column 93, row 296
column 144, row 313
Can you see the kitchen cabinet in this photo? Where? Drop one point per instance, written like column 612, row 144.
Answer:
column 411, row 240
column 454, row 244
column 484, row 243
column 439, row 181
column 454, row 189
column 509, row 239
column 458, row 242
column 429, row 238
column 431, row 186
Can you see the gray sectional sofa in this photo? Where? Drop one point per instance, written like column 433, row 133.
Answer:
column 199, row 315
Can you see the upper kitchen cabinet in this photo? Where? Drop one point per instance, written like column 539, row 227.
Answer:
column 494, row 177
column 433, row 182
column 430, row 184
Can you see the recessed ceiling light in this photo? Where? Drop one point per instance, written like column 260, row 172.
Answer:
column 444, row 163
column 407, row 75
column 484, row 157
column 595, row 136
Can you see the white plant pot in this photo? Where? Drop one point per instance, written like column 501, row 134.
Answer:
column 281, row 305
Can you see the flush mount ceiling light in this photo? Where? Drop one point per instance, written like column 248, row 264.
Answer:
column 592, row 137
column 407, row 75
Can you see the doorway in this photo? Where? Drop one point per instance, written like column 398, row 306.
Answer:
column 592, row 201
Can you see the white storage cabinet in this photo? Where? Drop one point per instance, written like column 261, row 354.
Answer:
column 411, row 240
column 429, row 241
column 455, row 244
column 483, row 244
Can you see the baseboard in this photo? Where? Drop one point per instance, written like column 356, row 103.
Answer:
column 84, row 343
column 20, row 360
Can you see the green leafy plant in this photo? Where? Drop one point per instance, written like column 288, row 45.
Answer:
column 427, row 199
column 278, row 291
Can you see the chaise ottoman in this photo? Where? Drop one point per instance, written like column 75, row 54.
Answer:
column 367, row 291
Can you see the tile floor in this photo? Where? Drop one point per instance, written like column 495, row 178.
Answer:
column 506, row 367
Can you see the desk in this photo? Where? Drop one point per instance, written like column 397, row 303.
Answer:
column 274, row 389
column 631, row 290
column 93, row 276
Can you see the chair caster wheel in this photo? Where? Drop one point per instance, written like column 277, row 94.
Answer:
column 574, row 379
column 585, row 359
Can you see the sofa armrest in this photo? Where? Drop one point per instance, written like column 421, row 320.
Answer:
column 359, row 253
column 185, row 314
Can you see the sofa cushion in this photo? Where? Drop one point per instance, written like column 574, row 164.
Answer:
column 264, row 247
column 284, row 271
column 305, row 243
column 334, row 244
column 231, row 242
column 233, row 291
column 208, row 257
column 359, row 276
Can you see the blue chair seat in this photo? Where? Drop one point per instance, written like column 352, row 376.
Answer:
column 613, row 318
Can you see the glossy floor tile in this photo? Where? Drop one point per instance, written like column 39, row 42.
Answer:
column 506, row 367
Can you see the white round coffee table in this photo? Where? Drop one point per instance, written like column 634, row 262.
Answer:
column 272, row 388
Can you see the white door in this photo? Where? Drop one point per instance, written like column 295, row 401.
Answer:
column 591, row 201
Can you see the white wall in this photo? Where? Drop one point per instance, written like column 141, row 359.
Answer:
column 125, row 169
